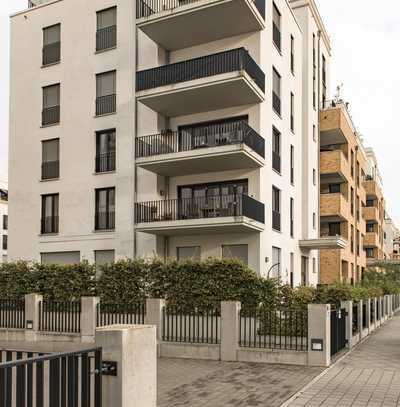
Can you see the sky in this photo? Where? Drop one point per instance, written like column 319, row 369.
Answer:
column 365, row 59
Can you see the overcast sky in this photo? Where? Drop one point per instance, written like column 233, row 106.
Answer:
column 366, row 59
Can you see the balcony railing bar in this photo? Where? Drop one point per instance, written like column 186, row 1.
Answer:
column 50, row 115
column 50, row 169
column 106, row 104
column 106, row 38
column 105, row 162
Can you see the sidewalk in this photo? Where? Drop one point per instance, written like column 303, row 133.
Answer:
column 368, row 376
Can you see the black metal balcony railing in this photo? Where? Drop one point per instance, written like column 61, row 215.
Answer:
column 276, row 220
column 223, row 62
column 105, row 162
column 276, row 103
column 50, row 169
column 51, row 53
column 106, row 38
column 49, row 224
column 106, row 104
column 276, row 36
column 146, row 8
column 214, row 135
column 199, row 208
column 276, row 161
column 104, row 220
column 50, row 115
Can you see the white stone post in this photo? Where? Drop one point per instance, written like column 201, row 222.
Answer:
column 154, row 314
column 88, row 318
column 319, row 335
column 368, row 314
column 359, row 320
column 348, row 306
column 230, row 314
column 32, row 316
column 134, row 348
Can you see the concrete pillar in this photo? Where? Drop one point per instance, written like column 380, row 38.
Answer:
column 154, row 314
column 88, row 318
column 319, row 335
column 348, row 306
column 382, row 309
column 133, row 347
column 230, row 311
column 32, row 316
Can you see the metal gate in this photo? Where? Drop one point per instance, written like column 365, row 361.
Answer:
column 64, row 379
column 338, row 330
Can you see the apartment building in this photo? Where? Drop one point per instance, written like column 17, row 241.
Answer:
column 374, row 211
column 343, row 194
column 176, row 129
column 390, row 235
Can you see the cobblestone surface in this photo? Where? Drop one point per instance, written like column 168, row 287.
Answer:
column 368, row 377
column 195, row 383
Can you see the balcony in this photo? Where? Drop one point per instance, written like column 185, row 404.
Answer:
column 334, row 167
column 204, row 148
column 371, row 239
column 217, row 214
column 372, row 188
column 212, row 82
column 50, row 170
column 51, row 115
column 201, row 21
column 106, row 104
column 371, row 213
column 106, row 38
column 334, row 207
column 105, row 162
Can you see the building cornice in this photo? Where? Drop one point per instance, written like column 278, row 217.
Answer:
column 28, row 10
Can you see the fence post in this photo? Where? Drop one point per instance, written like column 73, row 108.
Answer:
column 88, row 318
column 359, row 319
column 319, row 335
column 32, row 316
column 348, row 306
column 133, row 347
column 154, row 308
column 368, row 314
column 230, row 315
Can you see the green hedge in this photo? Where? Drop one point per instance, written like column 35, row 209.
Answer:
column 185, row 283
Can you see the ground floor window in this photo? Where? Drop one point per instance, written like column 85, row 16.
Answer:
column 104, row 257
column 62, row 258
column 189, row 252
column 236, row 251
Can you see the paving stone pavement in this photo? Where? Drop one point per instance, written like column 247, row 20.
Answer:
column 369, row 376
column 196, row 383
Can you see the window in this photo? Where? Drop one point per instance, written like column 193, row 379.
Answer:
column 314, row 133
column 352, row 200
column 236, row 251
column 5, row 222
column 314, row 265
column 314, row 176
column 358, row 242
column 104, row 257
column 304, row 270
column 51, row 52
column 291, row 164
column 292, row 54
column 369, row 203
column 105, row 209
column 334, row 229
column 106, row 35
column 51, row 105
column 5, row 242
column 314, row 73
column 314, row 221
column 276, row 91
column 276, row 209
column 323, row 79
column 352, row 238
column 276, row 150
column 275, row 269
column 358, row 207
column 369, row 251
column 49, row 222
column 291, row 217
column 276, row 27
column 352, row 163
column 50, row 159
column 61, row 258
column 292, row 270
column 189, row 252
column 106, row 93
column 105, row 151
column 370, row 227
column 334, row 188
column 292, row 112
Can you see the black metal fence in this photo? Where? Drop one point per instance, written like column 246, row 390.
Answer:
column 106, row 104
column 378, row 308
column 212, row 135
column 372, row 311
column 355, row 321
column 191, row 326
column 223, row 62
column 274, row 329
column 364, row 315
column 50, row 169
column 51, row 115
column 12, row 314
column 106, row 38
column 63, row 379
column 51, row 53
column 338, row 330
column 146, row 8
column 110, row 314
column 199, row 208
column 57, row 316
column 105, row 162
